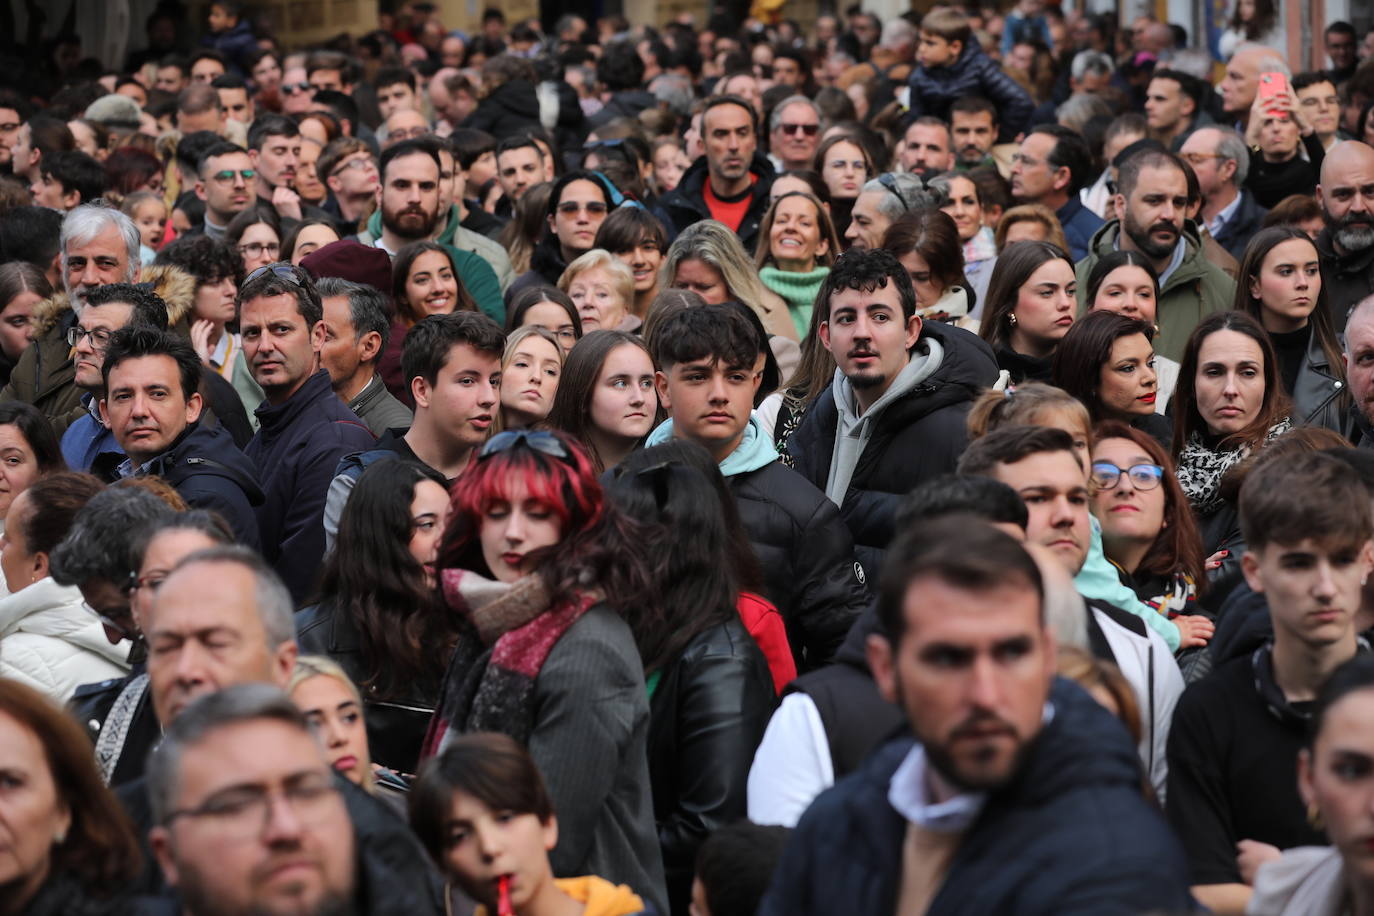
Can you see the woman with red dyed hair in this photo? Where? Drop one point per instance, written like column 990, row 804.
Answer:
column 542, row 573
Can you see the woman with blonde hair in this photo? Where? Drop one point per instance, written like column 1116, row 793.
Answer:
column 708, row 259
column 1029, row 223
column 603, row 288
column 797, row 245
column 530, row 371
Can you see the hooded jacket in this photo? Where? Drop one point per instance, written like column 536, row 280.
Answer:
column 1193, row 291
column 918, row 434
column 209, row 472
column 45, row 373
column 686, row 204
column 512, row 108
column 1070, row 833
column 934, row 90
column 298, row 445
column 1349, row 278
column 53, row 644
column 803, row 548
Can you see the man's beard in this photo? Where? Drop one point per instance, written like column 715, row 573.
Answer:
column 866, row 380
column 1145, row 240
column 971, row 155
column 199, row 900
column 411, row 223
column 1352, row 232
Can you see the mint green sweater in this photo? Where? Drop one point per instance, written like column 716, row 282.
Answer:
column 798, row 290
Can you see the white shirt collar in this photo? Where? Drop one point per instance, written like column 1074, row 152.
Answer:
column 1224, row 215
column 908, row 794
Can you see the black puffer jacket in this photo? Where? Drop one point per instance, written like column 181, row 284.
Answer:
column 686, row 204
column 933, row 91
column 209, row 472
column 513, row 108
column 807, row 557
column 706, row 718
column 395, row 727
column 919, row 436
column 1070, row 834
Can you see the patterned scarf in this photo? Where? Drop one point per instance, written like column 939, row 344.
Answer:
column 1200, row 468
column 509, row 631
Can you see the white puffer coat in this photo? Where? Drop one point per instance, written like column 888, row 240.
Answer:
column 48, row 641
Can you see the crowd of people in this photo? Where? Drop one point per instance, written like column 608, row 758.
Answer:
column 906, row 467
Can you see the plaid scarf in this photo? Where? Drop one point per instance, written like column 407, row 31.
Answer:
column 508, row 631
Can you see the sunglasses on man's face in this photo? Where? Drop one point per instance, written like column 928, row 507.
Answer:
column 297, row 88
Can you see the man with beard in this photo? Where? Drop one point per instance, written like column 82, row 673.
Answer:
column 925, row 148
column 939, row 820
column 1346, row 195
column 973, row 125
column 1151, row 217
column 1359, row 370
column 408, row 198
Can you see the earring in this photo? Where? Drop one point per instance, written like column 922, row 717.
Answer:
column 1011, row 319
column 1314, row 816
column 59, row 838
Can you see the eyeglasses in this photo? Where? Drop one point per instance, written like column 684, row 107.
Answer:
column 297, row 88
column 1143, row 476
column 243, row 812
column 100, row 338
column 362, row 162
column 593, row 208
column 257, row 249
column 566, row 336
column 1199, row 158
column 809, row 129
column 852, row 163
column 538, row 440
column 122, row 626
column 890, row 183
column 227, row 176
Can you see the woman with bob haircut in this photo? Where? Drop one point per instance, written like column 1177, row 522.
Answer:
column 606, row 398
column 483, row 813
column 1031, row 306
column 926, row 242
column 797, row 246
column 1107, row 361
column 72, row 848
column 547, row 307
column 1148, row 530
column 377, row 614
column 1280, row 285
column 540, row 576
column 637, row 238
column 603, row 288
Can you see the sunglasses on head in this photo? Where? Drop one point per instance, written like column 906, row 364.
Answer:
column 538, row 440
column 890, row 183
column 283, row 271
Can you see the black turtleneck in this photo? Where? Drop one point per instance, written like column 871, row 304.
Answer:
column 1291, row 349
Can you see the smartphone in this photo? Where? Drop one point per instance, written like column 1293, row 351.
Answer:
column 1272, row 85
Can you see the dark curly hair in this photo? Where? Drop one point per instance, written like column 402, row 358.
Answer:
column 207, row 259
column 867, row 270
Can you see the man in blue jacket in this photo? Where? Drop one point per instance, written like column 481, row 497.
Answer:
column 1015, row 791
column 152, row 406
column 303, row 427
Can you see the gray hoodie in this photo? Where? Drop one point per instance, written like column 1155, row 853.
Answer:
column 855, row 429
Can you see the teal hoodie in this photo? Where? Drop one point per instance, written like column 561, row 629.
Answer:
column 754, row 451
column 1099, row 579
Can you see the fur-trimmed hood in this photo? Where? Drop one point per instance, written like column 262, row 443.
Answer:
column 176, row 287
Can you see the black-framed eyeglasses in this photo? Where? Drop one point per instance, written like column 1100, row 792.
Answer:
column 1143, row 476
column 243, row 812
column 100, row 338
column 281, row 270
column 890, row 183
column 537, row 439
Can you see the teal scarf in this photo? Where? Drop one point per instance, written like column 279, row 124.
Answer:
column 798, row 290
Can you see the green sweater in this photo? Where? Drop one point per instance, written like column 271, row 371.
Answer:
column 798, row 290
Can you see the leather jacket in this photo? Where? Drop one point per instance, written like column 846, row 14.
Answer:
column 1319, row 394
column 707, row 716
